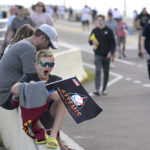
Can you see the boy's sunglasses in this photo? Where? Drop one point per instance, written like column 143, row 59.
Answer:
column 44, row 64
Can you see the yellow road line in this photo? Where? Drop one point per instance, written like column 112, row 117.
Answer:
column 131, row 40
column 67, row 28
column 73, row 29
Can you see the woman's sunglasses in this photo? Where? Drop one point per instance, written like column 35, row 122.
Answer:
column 44, row 64
column 40, row 5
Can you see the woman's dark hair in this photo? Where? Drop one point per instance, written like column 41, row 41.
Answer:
column 43, row 6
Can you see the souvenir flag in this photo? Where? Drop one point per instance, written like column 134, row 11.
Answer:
column 76, row 99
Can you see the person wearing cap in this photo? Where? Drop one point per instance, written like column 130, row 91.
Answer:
column 20, row 59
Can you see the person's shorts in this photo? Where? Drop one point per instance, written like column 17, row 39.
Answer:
column 122, row 40
column 47, row 119
column 7, row 105
column 86, row 22
column 140, row 32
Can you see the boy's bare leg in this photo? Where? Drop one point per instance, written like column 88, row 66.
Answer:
column 58, row 110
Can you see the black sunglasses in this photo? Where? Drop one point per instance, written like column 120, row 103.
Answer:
column 44, row 64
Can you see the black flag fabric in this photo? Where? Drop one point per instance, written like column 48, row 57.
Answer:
column 78, row 102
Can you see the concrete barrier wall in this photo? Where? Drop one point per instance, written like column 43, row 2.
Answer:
column 13, row 136
column 69, row 64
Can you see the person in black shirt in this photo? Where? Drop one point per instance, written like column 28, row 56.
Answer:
column 103, row 41
column 142, row 20
column 145, row 45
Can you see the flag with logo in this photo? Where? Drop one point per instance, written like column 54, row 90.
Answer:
column 78, row 102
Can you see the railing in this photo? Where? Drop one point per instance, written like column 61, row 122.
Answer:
column 3, row 27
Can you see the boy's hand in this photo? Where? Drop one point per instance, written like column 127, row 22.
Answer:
column 54, row 96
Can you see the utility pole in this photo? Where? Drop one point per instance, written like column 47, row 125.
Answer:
column 64, row 3
column 125, row 8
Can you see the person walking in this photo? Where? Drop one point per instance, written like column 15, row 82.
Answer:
column 112, row 24
column 122, row 28
column 102, row 38
column 85, row 14
column 6, row 36
column 142, row 19
column 19, row 20
column 20, row 59
column 23, row 32
column 145, row 45
column 39, row 16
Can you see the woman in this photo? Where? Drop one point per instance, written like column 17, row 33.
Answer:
column 24, row 31
column 39, row 16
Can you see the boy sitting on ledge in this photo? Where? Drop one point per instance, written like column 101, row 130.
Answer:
column 50, row 101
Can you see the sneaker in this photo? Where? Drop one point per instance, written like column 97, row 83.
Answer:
column 112, row 65
column 96, row 93
column 104, row 92
column 140, row 55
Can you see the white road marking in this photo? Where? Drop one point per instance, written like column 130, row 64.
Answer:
column 125, row 62
column 128, row 78
column 67, row 51
column 146, row 85
column 137, row 82
column 140, row 66
column 118, row 76
column 64, row 44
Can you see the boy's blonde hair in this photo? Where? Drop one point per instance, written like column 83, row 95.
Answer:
column 44, row 53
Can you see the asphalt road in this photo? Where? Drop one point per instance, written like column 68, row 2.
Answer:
column 124, row 123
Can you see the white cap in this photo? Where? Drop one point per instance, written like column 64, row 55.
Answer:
column 51, row 33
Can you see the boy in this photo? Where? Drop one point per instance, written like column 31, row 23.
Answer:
column 44, row 65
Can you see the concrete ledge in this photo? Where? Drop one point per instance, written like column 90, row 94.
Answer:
column 69, row 63
column 13, row 136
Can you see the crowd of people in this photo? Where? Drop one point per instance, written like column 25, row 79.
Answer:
column 119, row 29
column 25, row 57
